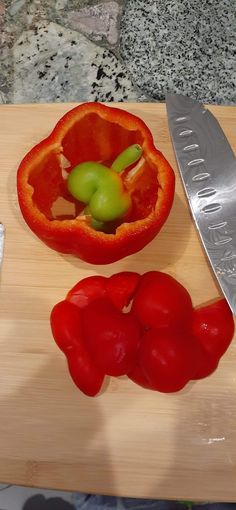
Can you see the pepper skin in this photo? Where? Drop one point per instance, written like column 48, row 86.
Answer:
column 93, row 131
column 66, row 329
column 213, row 328
column 161, row 301
column 167, row 358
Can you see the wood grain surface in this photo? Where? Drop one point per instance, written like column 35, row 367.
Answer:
column 128, row 441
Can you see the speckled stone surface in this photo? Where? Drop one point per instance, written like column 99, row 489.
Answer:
column 185, row 46
column 116, row 50
column 62, row 50
column 52, row 63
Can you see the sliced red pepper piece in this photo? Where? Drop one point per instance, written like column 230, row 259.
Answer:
column 206, row 364
column 121, row 288
column 93, row 131
column 66, row 326
column 213, row 328
column 138, row 377
column 87, row 377
column 87, row 290
column 112, row 338
column 168, row 359
column 161, row 301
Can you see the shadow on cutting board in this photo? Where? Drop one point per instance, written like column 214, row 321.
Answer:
column 60, row 406
column 42, row 414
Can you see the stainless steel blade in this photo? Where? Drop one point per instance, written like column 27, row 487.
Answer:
column 208, row 169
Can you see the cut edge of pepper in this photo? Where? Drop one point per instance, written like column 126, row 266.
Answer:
column 54, row 143
column 82, row 223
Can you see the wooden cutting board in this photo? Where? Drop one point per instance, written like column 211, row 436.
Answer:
column 128, row 441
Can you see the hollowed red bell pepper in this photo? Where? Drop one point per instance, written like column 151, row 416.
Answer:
column 161, row 342
column 94, row 132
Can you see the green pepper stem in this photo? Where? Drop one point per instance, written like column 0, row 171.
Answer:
column 101, row 188
column 129, row 156
column 97, row 225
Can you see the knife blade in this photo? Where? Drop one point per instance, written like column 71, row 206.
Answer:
column 207, row 166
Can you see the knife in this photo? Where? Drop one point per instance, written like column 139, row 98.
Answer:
column 207, row 166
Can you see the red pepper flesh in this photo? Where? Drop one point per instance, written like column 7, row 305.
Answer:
column 213, row 328
column 206, row 364
column 66, row 329
column 121, row 288
column 112, row 337
column 137, row 376
column 88, row 290
column 161, row 301
column 168, row 359
column 66, row 325
column 84, row 373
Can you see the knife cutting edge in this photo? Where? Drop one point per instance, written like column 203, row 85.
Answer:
column 207, row 167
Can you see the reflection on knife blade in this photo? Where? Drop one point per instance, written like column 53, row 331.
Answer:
column 207, row 166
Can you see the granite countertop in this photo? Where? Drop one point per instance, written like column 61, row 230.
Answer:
column 116, row 50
